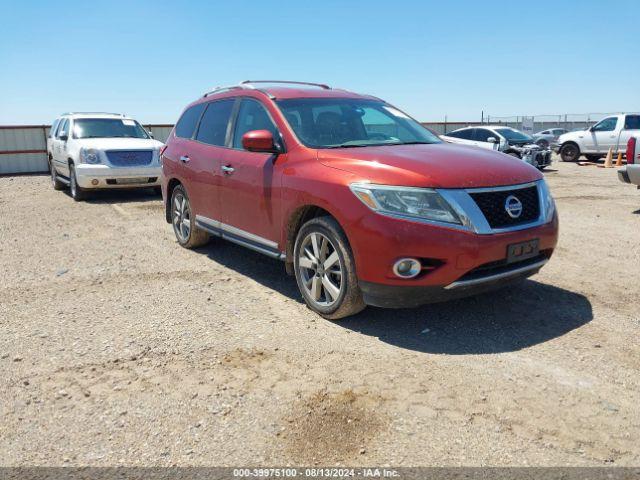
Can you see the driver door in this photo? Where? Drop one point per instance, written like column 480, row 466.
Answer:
column 602, row 135
column 250, row 183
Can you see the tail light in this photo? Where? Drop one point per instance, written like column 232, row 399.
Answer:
column 631, row 150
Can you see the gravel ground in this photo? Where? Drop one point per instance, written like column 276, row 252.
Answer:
column 118, row 347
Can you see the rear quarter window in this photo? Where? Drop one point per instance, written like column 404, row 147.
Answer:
column 186, row 126
column 632, row 122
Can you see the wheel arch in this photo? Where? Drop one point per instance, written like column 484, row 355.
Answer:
column 171, row 185
column 296, row 220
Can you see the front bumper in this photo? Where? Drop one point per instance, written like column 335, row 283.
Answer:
column 393, row 296
column 104, row 176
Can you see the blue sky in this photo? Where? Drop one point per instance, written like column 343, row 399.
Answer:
column 149, row 58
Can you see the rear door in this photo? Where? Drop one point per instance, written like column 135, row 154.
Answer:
column 250, row 193
column 206, row 154
column 630, row 128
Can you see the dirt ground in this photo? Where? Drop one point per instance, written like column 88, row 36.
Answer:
column 118, row 347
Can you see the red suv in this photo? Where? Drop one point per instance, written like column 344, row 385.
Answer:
column 363, row 204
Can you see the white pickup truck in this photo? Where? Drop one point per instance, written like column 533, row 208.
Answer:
column 594, row 142
column 631, row 172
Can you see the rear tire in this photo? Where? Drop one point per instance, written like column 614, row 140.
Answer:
column 570, row 152
column 77, row 193
column 55, row 182
column 184, row 221
column 325, row 270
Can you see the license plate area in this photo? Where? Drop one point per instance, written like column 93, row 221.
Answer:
column 130, row 181
column 517, row 252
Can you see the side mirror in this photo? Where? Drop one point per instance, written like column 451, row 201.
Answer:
column 64, row 137
column 492, row 140
column 259, row 141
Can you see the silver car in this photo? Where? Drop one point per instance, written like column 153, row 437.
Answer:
column 549, row 137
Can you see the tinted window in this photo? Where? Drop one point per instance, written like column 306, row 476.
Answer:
column 63, row 128
column 186, row 126
column 54, row 127
column 351, row 122
column 108, row 128
column 213, row 126
column 559, row 131
column 252, row 116
column 482, row 134
column 513, row 134
column 632, row 122
column 464, row 134
column 606, row 125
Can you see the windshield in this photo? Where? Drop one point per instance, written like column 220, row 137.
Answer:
column 350, row 123
column 107, row 128
column 514, row 135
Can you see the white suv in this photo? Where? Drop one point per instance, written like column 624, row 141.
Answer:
column 101, row 150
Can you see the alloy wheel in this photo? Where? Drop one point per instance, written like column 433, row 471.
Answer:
column 181, row 217
column 320, row 269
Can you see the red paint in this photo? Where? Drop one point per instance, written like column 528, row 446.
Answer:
column 265, row 191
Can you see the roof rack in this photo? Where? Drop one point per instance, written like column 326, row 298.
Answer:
column 94, row 113
column 320, row 85
column 221, row 89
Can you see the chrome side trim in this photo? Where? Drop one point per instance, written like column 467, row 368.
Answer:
column 241, row 237
column 497, row 276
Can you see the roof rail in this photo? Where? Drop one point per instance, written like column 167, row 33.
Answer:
column 94, row 113
column 320, row 85
column 222, row 89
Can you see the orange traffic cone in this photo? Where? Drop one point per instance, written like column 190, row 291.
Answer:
column 619, row 161
column 608, row 162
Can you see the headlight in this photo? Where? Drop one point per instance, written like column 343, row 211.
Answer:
column 419, row 203
column 548, row 203
column 89, row 155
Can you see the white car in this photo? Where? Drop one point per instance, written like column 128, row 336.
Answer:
column 89, row 151
column 611, row 132
column 504, row 139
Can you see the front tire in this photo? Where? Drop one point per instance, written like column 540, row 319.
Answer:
column 325, row 270
column 184, row 222
column 570, row 152
column 77, row 193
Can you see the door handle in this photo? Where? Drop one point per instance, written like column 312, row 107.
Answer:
column 228, row 169
column 184, row 159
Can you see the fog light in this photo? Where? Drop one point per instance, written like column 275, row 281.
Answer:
column 407, row 267
column 94, row 181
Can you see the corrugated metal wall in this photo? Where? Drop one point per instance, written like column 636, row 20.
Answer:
column 23, row 148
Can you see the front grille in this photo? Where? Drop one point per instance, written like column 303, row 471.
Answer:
column 492, row 205
column 130, row 158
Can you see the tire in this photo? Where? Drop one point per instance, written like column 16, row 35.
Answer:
column 55, row 182
column 570, row 152
column 331, row 295
column 77, row 193
column 593, row 158
column 542, row 143
column 183, row 222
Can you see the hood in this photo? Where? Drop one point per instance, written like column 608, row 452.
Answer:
column 119, row 143
column 440, row 165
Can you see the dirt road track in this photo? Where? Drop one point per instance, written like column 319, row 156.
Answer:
column 118, row 347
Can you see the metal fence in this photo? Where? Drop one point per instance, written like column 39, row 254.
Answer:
column 23, row 148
